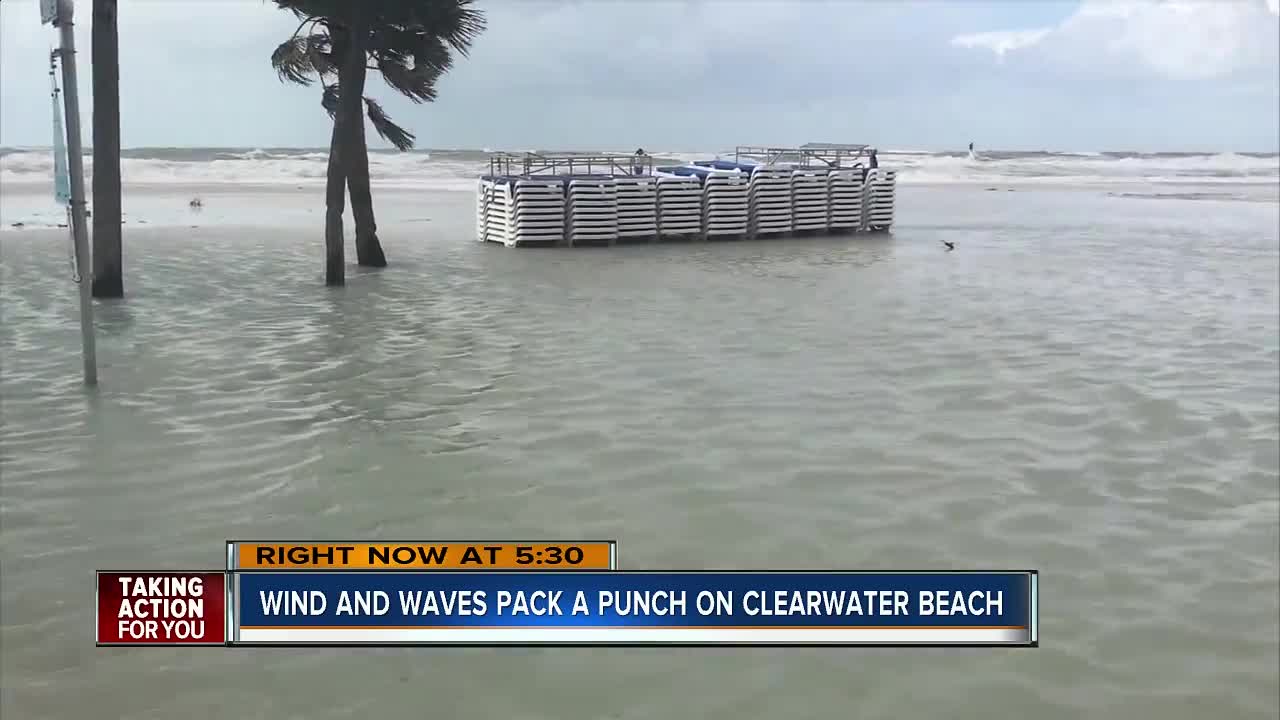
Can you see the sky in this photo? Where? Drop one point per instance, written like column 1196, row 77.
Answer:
column 668, row 74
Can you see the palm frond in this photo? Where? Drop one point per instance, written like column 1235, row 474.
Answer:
column 399, row 137
column 291, row 62
column 320, row 55
column 417, row 82
column 457, row 22
column 289, row 5
column 410, row 42
column 432, row 55
column 302, row 9
column 422, row 46
column 330, row 99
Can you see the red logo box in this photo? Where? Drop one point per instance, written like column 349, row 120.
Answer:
column 161, row 608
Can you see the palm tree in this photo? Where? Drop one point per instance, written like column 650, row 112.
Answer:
column 411, row 44
column 108, row 270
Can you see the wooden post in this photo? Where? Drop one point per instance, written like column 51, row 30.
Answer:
column 108, row 260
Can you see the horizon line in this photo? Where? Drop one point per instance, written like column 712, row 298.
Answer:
column 901, row 150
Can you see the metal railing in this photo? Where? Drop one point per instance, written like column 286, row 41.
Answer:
column 828, row 155
column 536, row 163
column 532, row 164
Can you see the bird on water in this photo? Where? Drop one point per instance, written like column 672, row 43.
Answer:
column 950, row 245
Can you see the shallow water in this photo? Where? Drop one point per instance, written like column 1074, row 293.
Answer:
column 1088, row 385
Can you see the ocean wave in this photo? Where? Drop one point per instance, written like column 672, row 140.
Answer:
column 457, row 169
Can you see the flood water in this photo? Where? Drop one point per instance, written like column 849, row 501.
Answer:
column 1088, row 385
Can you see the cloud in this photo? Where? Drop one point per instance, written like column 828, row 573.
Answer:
column 705, row 74
column 1001, row 42
column 1175, row 39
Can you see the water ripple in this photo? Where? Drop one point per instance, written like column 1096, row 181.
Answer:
column 1098, row 399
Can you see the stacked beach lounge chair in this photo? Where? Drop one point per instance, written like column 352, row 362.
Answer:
column 810, row 199
column 592, row 214
column 881, row 186
column 844, row 197
column 769, row 195
column 541, row 198
column 725, row 201
column 520, row 211
column 679, row 204
column 484, row 197
column 637, row 207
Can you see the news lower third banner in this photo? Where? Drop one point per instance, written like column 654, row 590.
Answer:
column 634, row 608
column 576, row 607
column 409, row 556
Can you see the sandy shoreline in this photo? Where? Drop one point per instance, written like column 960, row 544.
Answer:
column 30, row 206
column 46, row 188
column 234, row 205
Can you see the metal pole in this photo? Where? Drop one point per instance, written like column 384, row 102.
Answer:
column 75, row 158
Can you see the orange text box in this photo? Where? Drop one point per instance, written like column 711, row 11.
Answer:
column 422, row 556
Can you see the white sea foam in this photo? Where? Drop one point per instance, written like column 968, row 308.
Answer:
column 456, row 169
column 1085, row 168
column 172, row 167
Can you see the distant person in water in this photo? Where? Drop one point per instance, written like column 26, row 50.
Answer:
column 874, row 162
column 970, row 148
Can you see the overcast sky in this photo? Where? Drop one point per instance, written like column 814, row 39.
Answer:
column 1008, row 74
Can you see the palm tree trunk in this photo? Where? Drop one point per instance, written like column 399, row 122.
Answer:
column 350, row 46
column 335, row 201
column 108, row 265
column 368, row 248
column 351, row 79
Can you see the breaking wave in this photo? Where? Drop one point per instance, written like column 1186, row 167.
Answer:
column 457, row 169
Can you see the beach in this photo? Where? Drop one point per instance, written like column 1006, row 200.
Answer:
column 1089, row 385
